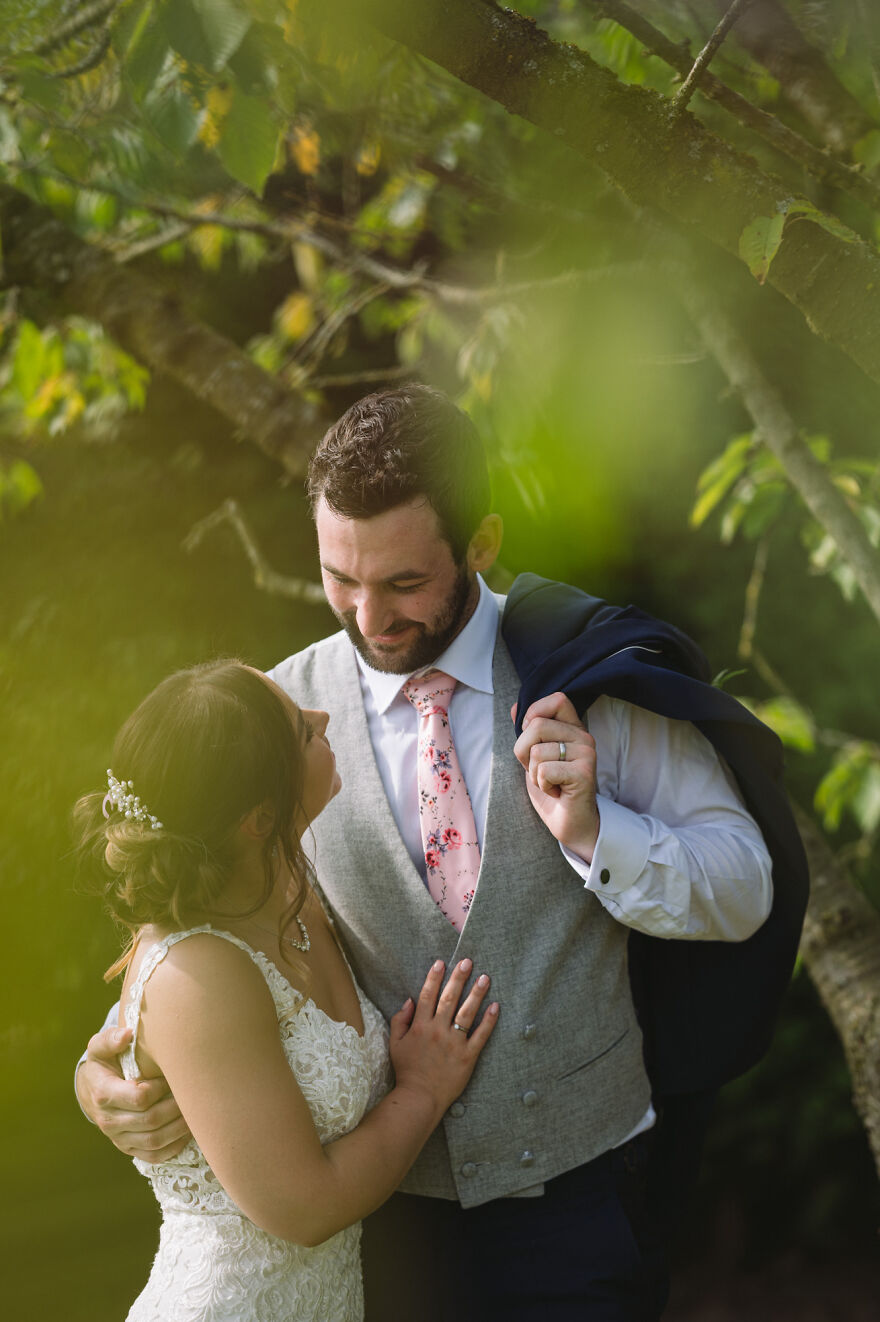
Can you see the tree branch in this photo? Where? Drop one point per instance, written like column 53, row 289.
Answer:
column 265, row 578
column 779, row 433
column 821, row 165
column 683, row 169
column 40, row 251
column 91, row 16
column 753, row 596
column 769, row 33
column 841, row 949
column 706, row 55
column 384, row 273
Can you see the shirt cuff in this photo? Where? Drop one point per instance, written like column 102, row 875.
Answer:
column 621, row 851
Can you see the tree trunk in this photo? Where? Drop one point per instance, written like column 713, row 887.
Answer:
column 628, row 133
column 841, row 949
column 148, row 321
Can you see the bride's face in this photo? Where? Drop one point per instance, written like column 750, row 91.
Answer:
column 321, row 780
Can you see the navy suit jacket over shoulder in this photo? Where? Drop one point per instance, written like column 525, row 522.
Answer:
column 707, row 1008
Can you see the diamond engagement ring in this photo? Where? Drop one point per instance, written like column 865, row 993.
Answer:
column 460, row 1028
column 562, row 751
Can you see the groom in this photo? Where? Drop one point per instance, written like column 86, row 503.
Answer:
column 528, row 1201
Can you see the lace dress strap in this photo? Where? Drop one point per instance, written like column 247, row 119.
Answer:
column 152, row 960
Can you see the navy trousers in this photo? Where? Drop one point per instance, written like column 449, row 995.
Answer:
column 585, row 1251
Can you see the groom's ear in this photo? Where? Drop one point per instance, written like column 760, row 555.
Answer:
column 485, row 544
column 259, row 822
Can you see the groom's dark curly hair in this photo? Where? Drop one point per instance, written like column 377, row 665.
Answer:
column 399, row 444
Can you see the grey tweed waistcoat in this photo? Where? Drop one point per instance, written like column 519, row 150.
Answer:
column 562, row 1079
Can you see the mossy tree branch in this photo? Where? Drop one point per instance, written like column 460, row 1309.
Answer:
column 151, row 324
column 680, row 168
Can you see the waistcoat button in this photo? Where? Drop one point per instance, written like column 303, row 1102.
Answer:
column 527, row 1159
column 529, row 1031
column 530, row 1098
column 468, row 1169
column 457, row 1109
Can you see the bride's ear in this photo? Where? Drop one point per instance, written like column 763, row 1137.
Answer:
column 259, row 822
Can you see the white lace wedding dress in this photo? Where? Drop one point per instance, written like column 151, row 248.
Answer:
column 213, row 1264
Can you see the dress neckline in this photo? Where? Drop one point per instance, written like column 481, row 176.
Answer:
column 151, row 958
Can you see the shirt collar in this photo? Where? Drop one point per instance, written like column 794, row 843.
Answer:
column 468, row 658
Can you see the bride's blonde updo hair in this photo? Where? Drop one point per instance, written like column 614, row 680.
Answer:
column 207, row 746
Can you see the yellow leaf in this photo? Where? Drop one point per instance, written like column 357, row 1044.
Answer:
column 217, row 104
column 208, row 241
column 848, row 485
column 74, row 405
column 51, row 389
column 309, row 265
column 305, row 148
column 368, row 158
column 296, row 316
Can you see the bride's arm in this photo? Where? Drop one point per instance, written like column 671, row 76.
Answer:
column 209, row 1024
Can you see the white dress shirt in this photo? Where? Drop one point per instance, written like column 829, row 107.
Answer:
column 677, row 855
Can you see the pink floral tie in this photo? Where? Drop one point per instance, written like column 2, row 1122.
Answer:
column 449, row 834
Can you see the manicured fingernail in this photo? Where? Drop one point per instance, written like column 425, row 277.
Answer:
column 466, row 965
column 408, row 1001
column 438, row 966
column 482, row 980
column 493, row 1008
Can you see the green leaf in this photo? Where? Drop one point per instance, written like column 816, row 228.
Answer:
column 791, row 722
column 764, row 508
column 867, row 149
column 20, row 486
column 225, row 24
column 205, row 32
column 252, row 64
column 173, row 118
column 759, row 244
column 800, row 207
column 723, row 678
column 866, row 800
column 715, row 481
column 841, row 786
column 29, row 360
column 69, row 153
column 248, row 141
column 146, row 58
column 45, row 92
column 130, row 22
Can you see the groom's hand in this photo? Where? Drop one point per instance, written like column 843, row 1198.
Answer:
column 562, row 790
column 139, row 1116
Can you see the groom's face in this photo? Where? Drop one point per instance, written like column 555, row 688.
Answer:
column 393, row 584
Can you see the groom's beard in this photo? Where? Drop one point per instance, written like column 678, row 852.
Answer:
column 430, row 640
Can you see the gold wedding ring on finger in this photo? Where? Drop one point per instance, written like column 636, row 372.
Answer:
column 461, row 1028
column 562, row 752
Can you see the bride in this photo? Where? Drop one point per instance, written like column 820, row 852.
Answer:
column 237, row 992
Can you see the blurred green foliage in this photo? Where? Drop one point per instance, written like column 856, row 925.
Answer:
column 253, row 161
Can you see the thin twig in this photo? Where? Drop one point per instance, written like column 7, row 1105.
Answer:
column 320, row 340
column 782, row 138
column 152, row 244
column 395, row 277
column 397, row 372
column 752, row 598
column 90, row 60
column 704, row 59
column 89, row 17
column 265, row 578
